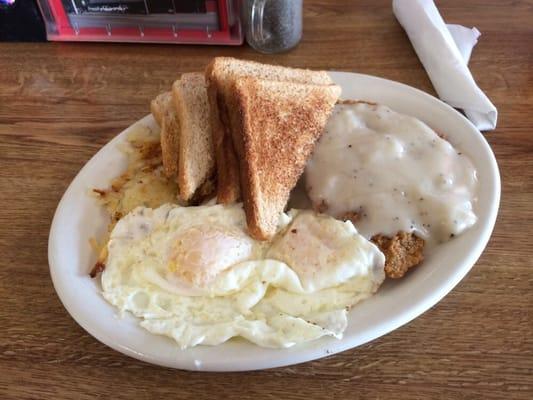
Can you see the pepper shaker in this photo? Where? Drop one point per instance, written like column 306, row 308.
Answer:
column 273, row 26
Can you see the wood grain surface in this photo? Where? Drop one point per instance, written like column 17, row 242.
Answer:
column 60, row 102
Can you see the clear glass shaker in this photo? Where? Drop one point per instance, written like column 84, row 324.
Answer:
column 273, row 26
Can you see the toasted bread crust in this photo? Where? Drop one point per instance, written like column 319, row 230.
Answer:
column 164, row 112
column 242, row 68
column 196, row 161
column 228, row 190
column 156, row 107
column 277, row 125
column 248, row 181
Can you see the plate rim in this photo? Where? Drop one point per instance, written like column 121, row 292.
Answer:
column 382, row 329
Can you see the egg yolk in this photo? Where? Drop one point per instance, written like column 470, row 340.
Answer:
column 311, row 246
column 201, row 252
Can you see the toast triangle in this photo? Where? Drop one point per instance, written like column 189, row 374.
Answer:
column 196, row 160
column 220, row 75
column 276, row 127
column 162, row 107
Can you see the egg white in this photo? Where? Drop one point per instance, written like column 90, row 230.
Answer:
column 275, row 294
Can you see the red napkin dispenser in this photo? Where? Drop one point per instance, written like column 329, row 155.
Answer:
column 155, row 21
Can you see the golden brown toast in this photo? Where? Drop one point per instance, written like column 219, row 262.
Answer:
column 227, row 172
column 157, row 107
column 220, row 75
column 227, row 167
column 276, row 127
column 196, row 159
column 164, row 112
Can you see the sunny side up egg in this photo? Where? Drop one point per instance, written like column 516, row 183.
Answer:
column 193, row 274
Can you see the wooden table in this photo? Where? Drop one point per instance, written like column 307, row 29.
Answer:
column 59, row 103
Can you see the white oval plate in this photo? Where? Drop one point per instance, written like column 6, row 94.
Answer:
column 78, row 217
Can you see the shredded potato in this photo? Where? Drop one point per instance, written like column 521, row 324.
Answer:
column 142, row 184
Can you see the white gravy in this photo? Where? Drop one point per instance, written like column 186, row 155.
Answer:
column 394, row 171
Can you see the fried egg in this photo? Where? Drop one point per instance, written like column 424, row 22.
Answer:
column 194, row 274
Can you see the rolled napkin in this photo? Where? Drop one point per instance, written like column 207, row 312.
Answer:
column 445, row 57
column 465, row 39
